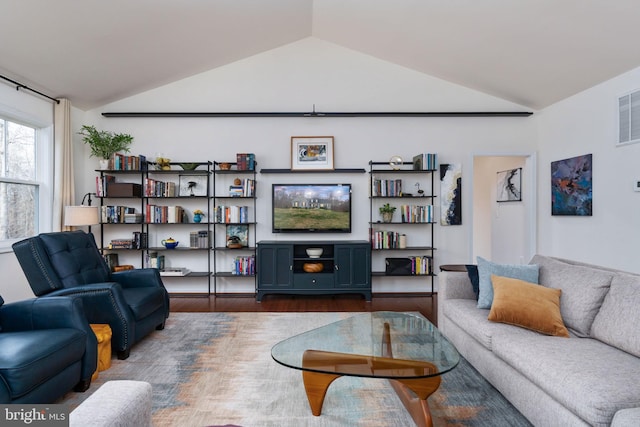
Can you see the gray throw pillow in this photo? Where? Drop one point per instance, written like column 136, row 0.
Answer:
column 528, row 273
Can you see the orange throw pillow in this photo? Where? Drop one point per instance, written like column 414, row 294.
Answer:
column 527, row 305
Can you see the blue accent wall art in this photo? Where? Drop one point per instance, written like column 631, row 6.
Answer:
column 451, row 194
column 571, row 186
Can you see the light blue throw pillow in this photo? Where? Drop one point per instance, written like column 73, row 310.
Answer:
column 528, row 273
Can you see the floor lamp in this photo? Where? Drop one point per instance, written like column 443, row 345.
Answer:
column 77, row 216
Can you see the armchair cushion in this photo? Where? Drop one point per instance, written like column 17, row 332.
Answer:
column 30, row 358
column 75, row 259
column 143, row 301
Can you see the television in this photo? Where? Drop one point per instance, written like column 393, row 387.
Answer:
column 311, row 208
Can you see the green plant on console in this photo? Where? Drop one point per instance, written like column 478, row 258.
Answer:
column 105, row 144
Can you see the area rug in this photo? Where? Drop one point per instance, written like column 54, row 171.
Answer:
column 216, row 369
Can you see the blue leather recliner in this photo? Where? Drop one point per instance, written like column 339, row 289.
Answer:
column 132, row 302
column 47, row 348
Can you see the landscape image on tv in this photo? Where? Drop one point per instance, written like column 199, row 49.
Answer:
column 311, row 208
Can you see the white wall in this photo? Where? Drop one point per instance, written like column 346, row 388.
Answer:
column 583, row 124
column 293, row 78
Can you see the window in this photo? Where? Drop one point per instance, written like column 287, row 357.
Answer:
column 19, row 186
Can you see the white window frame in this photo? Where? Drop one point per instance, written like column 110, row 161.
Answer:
column 44, row 171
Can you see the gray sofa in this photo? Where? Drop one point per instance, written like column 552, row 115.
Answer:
column 591, row 378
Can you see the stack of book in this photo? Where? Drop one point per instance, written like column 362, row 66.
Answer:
column 200, row 239
column 244, row 266
column 155, row 188
column 246, row 189
column 175, row 271
column 164, row 214
column 121, row 162
column 245, row 161
column 386, row 188
column 415, row 213
column 420, row 265
column 385, row 239
column 115, row 214
column 426, row 161
column 231, row 214
column 121, row 244
column 140, row 240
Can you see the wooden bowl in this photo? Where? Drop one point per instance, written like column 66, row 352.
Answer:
column 312, row 267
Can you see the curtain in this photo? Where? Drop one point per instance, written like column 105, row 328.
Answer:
column 63, row 181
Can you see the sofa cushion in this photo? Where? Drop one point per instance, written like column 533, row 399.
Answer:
column 30, row 358
column 591, row 379
column 583, row 290
column 465, row 314
column 617, row 321
column 528, row 305
column 486, row 268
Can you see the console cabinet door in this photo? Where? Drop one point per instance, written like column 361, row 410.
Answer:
column 353, row 266
column 274, row 267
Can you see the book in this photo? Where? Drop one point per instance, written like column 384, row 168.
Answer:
column 175, row 271
column 122, row 267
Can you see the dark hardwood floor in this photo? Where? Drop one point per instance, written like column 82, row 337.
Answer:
column 426, row 305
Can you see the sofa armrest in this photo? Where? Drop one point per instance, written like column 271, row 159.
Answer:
column 629, row 417
column 454, row 285
column 121, row 403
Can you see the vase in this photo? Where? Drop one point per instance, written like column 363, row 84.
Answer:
column 197, row 217
column 104, row 164
column 387, row 216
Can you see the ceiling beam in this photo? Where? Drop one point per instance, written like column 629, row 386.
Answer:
column 321, row 114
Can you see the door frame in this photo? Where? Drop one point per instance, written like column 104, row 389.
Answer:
column 530, row 180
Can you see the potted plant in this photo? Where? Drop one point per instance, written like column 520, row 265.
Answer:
column 105, row 144
column 387, row 211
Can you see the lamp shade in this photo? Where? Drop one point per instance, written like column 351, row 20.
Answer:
column 81, row 215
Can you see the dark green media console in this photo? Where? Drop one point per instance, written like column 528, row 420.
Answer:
column 284, row 267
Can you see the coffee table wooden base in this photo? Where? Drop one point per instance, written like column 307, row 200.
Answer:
column 413, row 392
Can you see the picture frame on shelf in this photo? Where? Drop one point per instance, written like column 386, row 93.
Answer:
column 237, row 235
column 193, row 185
column 312, row 153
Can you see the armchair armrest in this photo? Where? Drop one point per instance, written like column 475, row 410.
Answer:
column 141, row 277
column 44, row 313
column 626, row 418
column 105, row 303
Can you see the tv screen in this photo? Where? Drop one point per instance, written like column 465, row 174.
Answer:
column 311, row 208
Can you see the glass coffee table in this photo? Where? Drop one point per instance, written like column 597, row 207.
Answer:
column 404, row 348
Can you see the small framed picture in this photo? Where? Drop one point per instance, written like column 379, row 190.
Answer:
column 193, row 185
column 509, row 186
column 237, row 235
column 311, row 153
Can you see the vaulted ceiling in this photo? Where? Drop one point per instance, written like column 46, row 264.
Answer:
column 531, row 52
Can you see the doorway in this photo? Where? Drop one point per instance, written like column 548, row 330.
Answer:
column 503, row 232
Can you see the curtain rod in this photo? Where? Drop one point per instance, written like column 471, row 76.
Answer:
column 21, row 86
column 320, row 114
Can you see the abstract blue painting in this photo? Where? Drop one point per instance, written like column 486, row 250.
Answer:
column 451, row 194
column 571, row 186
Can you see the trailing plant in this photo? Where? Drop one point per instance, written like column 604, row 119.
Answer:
column 105, row 144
